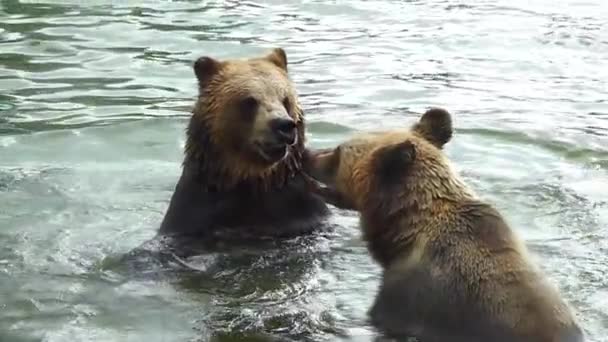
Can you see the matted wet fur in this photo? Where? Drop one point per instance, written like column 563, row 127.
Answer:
column 453, row 270
column 239, row 179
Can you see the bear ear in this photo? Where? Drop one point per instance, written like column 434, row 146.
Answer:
column 435, row 126
column 205, row 68
column 393, row 161
column 278, row 57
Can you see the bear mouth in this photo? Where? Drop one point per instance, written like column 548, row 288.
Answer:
column 272, row 153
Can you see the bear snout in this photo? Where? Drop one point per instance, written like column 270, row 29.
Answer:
column 283, row 130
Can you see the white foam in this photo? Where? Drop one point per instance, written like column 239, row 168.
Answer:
column 7, row 141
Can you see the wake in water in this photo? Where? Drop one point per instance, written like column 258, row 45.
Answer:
column 263, row 290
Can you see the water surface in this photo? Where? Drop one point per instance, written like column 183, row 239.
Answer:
column 95, row 96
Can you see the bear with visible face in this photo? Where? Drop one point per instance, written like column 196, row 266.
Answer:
column 453, row 270
column 241, row 174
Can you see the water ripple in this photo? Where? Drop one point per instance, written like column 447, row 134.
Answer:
column 93, row 94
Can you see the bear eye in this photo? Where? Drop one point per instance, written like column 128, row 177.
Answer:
column 287, row 104
column 248, row 105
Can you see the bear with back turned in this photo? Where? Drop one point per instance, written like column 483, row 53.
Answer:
column 241, row 173
column 453, row 269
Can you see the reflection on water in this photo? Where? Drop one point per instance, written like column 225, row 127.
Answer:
column 95, row 96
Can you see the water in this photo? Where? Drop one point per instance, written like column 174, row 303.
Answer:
column 95, row 96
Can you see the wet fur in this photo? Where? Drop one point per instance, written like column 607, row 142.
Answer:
column 220, row 192
column 453, row 270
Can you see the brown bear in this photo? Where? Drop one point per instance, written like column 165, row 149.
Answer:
column 453, row 269
column 241, row 173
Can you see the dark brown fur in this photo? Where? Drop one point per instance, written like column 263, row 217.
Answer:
column 453, row 269
column 227, row 188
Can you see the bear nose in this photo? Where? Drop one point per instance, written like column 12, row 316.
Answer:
column 284, row 130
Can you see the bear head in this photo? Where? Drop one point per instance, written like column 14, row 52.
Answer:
column 391, row 169
column 247, row 123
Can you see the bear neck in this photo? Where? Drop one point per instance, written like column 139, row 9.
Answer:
column 208, row 166
column 393, row 219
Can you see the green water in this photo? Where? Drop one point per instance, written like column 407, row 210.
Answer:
column 95, row 96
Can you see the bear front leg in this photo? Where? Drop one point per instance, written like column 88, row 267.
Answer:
column 386, row 316
column 400, row 305
column 330, row 195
